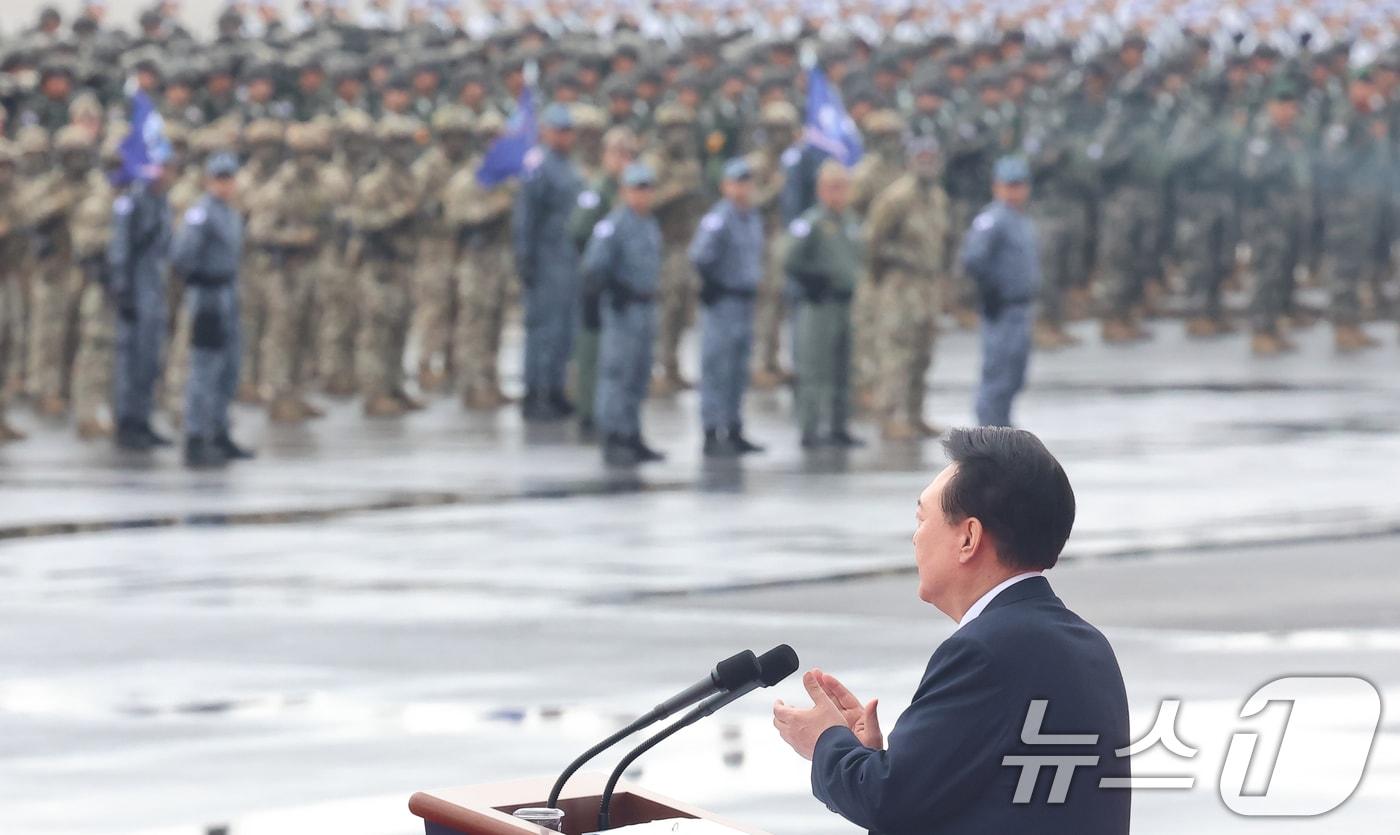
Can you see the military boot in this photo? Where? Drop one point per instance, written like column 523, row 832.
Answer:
column 94, row 428
column 409, row 402
column 844, row 439
column 51, row 405
column 1268, row 344
column 130, row 437
column 201, row 453
column 1351, row 338
column 1201, row 327
column 383, row 405
column 340, row 385
column 8, row 432
column 1118, row 330
column 224, row 443
column 285, row 409
column 646, row 454
column 717, row 446
column 618, row 451
column 765, row 379
column 741, row 444
column 899, row 430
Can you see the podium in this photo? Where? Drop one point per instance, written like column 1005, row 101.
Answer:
column 486, row 809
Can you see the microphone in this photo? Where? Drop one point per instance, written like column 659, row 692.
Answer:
column 732, row 673
column 774, row 665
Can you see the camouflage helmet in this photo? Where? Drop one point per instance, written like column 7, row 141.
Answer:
column 354, row 122
column 674, row 113
column 396, row 128
column 489, row 123
column 884, row 121
column 74, row 138
column 452, row 118
column 263, row 130
column 308, row 136
column 589, row 118
column 32, row 139
column 779, row 113
column 209, row 139
column 85, row 106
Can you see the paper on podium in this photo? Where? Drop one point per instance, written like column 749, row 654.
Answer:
column 679, row 826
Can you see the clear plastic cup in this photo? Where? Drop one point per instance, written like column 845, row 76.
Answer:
column 542, row 816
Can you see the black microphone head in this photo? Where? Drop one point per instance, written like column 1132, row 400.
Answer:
column 736, row 671
column 776, row 664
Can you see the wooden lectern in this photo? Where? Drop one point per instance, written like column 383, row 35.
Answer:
column 486, row 809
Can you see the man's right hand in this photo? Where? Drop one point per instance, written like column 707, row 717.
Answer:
column 861, row 719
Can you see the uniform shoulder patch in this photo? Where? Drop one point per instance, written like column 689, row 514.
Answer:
column 122, row 205
column 712, row 222
column 195, row 215
column 603, row 229
column 984, row 221
column 800, row 228
column 588, row 199
column 1258, row 146
column 790, row 157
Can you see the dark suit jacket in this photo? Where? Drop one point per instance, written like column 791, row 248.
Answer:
column 942, row 768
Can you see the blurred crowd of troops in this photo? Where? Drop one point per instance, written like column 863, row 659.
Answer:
column 1183, row 155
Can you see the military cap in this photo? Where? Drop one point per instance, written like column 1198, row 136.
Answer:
column 221, row 164
column 260, row 70
column 674, row 113
column 638, row 175
column 1284, row 89
column 1134, row 40
column 354, row 122
column 489, row 123
column 619, row 87
column 452, row 118
column 689, row 79
column 588, row 117
column 9, row 154
column 396, row 128
column 308, row 136
column 558, row 117
column 263, row 130
column 85, row 105
column 56, row 66
column 779, row 113
column 884, row 121
column 1012, row 169
column 74, row 138
column 341, row 66
column 737, row 168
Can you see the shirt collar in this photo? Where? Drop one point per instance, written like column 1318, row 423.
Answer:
column 982, row 601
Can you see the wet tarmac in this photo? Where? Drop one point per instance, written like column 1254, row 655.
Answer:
column 371, row 608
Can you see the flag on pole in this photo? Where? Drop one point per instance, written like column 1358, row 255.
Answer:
column 506, row 157
column 145, row 148
column 829, row 127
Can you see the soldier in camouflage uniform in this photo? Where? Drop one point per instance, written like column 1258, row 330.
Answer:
column 264, row 142
column 92, row 364
column 1277, row 182
column 434, row 291
column 779, row 121
column 12, row 244
column 295, row 216
column 384, row 215
column 339, row 296
column 905, row 240
column 678, row 204
column 1131, row 159
column 480, row 217
column 1205, row 147
column 1355, row 181
column 52, row 202
column 882, row 164
column 1062, row 184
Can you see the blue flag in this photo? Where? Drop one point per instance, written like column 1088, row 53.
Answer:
column 829, row 127
column 145, row 148
column 506, row 157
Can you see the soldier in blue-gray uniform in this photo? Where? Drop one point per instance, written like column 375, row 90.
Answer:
column 1001, row 256
column 727, row 252
column 547, row 262
column 206, row 253
column 623, row 261
column 136, row 261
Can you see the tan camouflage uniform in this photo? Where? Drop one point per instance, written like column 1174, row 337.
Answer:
column 678, row 205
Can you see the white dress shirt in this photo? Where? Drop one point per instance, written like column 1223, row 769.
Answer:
column 995, row 590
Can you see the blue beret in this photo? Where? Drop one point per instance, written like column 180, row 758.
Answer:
column 737, row 168
column 222, row 164
column 638, row 174
column 557, row 116
column 1012, row 170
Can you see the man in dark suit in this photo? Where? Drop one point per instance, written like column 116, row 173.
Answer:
column 1021, row 711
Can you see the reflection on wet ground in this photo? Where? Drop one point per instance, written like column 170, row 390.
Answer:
column 298, row 643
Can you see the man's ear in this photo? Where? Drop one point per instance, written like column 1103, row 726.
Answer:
column 970, row 536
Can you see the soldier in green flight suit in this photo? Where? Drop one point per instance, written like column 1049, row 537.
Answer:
column 825, row 257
